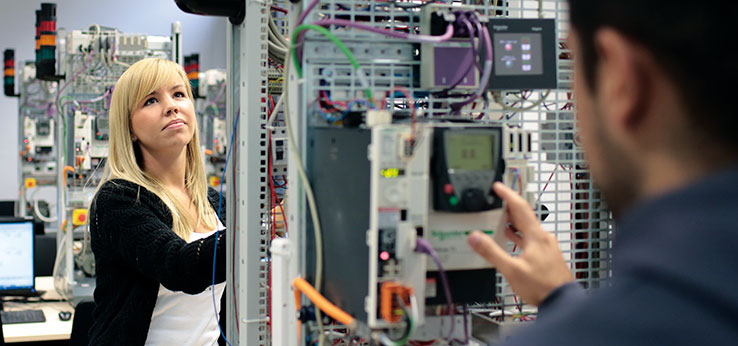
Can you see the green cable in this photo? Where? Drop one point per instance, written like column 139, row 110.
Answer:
column 410, row 332
column 216, row 111
column 338, row 44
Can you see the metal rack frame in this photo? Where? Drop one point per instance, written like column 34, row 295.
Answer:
column 577, row 216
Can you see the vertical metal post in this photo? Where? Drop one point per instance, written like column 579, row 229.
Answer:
column 20, row 208
column 232, row 282
column 284, row 323
column 247, row 178
column 177, row 43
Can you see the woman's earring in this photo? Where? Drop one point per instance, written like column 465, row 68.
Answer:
column 133, row 138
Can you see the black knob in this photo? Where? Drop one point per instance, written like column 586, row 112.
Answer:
column 473, row 200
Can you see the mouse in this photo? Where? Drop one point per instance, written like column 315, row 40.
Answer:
column 65, row 315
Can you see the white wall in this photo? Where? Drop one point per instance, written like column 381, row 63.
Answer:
column 203, row 35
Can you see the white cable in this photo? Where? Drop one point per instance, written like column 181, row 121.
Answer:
column 385, row 340
column 280, row 50
column 498, row 100
column 40, row 216
column 121, row 63
column 273, row 28
column 414, row 308
column 275, row 110
column 57, row 279
column 292, row 144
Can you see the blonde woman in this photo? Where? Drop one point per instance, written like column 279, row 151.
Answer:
column 153, row 220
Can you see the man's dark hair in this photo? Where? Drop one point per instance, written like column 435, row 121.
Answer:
column 691, row 40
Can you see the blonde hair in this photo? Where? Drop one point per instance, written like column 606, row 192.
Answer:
column 142, row 78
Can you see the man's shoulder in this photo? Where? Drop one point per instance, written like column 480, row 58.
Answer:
column 634, row 310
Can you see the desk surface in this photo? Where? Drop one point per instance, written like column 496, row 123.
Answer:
column 52, row 329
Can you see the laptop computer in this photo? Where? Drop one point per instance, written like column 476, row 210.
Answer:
column 17, row 275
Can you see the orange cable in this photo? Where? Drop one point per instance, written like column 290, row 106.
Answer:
column 323, row 304
column 67, row 168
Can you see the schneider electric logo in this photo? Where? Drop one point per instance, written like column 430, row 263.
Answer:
column 455, row 235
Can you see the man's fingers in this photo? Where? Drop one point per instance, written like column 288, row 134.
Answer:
column 513, row 237
column 519, row 212
column 489, row 250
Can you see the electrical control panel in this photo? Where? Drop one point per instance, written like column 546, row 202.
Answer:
column 37, row 134
column 90, row 62
column 405, row 184
column 220, row 140
column 90, row 140
column 211, row 106
column 114, row 42
column 390, row 172
column 38, row 138
column 399, row 129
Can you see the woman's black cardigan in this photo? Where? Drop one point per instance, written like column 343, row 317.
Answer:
column 135, row 251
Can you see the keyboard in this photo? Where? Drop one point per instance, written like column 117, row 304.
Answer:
column 23, row 316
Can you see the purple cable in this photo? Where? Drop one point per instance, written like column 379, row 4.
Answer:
column 300, row 20
column 466, row 328
column 217, row 97
column 402, row 35
column 487, row 40
column 109, row 99
column 305, row 12
column 220, row 93
column 460, row 76
column 475, row 53
column 456, row 107
column 84, row 67
column 480, row 28
column 96, row 99
column 423, row 246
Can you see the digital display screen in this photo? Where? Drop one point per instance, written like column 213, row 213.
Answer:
column 16, row 255
column 518, row 54
column 470, row 152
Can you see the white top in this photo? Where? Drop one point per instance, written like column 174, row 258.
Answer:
column 184, row 319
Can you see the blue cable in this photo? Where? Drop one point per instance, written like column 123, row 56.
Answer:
column 220, row 203
column 330, row 118
column 515, row 178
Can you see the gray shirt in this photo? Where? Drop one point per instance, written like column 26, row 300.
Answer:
column 675, row 279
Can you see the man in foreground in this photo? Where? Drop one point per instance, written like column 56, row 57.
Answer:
column 653, row 82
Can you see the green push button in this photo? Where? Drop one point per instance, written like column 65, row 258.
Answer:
column 453, row 200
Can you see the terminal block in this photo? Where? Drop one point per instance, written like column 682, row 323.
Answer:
column 392, row 294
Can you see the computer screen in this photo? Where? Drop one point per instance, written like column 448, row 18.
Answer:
column 16, row 255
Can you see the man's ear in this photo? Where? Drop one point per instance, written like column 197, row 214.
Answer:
column 623, row 79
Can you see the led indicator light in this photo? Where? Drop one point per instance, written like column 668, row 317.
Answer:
column 390, row 172
column 453, row 200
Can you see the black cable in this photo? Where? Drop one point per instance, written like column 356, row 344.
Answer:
column 406, row 317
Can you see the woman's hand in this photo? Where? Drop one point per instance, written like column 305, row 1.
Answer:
column 540, row 268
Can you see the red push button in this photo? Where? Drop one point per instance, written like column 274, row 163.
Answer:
column 448, row 189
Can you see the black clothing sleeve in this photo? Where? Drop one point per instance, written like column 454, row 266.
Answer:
column 136, row 251
column 131, row 216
